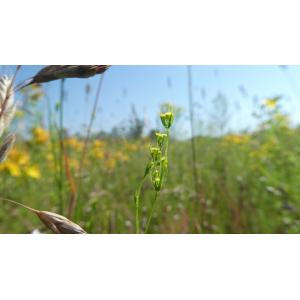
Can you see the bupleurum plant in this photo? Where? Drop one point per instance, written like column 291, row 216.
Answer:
column 156, row 168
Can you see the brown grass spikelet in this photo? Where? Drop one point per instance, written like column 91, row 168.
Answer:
column 54, row 72
column 55, row 222
column 58, row 223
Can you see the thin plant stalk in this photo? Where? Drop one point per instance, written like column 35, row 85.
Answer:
column 193, row 144
column 61, row 147
column 86, row 143
column 137, row 205
column 151, row 212
column 52, row 130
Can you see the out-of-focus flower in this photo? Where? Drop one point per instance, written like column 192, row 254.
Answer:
column 74, row 143
column 33, row 171
column 110, row 163
column 237, row 139
column 40, row 135
column 130, row 147
column 270, row 103
column 19, row 157
column 11, row 167
column 167, row 119
column 99, row 144
column 120, row 156
column 98, row 153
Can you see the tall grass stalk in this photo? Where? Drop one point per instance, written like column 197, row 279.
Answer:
column 86, row 144
column 193, row 143
column 61, row 147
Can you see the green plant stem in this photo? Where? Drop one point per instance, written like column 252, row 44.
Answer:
column 86, row 144
column 151, row 212
column 52, row 131
column 193, row 147
column 61, row 152
column 167, row 142
column 137, row 205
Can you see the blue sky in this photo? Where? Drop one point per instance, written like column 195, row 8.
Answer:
column 146, row 87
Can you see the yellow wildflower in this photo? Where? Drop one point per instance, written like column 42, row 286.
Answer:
column 19, row 157
column 99, row 144
column 237, row 139
column 270, row 103
column 33, row 171
column 120, row 156
column 40, row 135
column 74, row 143
column 98, row 153
column 110, row 163
column 11, row 167
column 130, row 147
column 49, row 157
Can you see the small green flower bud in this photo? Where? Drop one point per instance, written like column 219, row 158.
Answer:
column 160, row 138
column 167, row 119
column 156, row 180
column 155, row 153
column 164, row 162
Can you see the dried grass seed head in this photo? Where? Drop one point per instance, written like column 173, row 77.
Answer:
column 58, row 223
column 7, row 106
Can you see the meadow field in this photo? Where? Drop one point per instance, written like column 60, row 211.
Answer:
column 246, row 182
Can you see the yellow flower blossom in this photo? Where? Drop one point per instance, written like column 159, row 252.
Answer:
column 130, row 147
column 13, row 169
column 98, row 153
column 110, row 163
column 237, row 139
column 120, row 156
column 99, row 144
column 74, row 143
column 270, row 103
column 33, row 171
column 40, row 135
column 19, row 157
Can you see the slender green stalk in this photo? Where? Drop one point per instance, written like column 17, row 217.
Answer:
column 137, row 205
column 52, row 130
column 193, row 147
column 86, row 144
column 61, row 145
column 167, row 142
column 193, row 144
column 18, row 203
column 151, row 212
